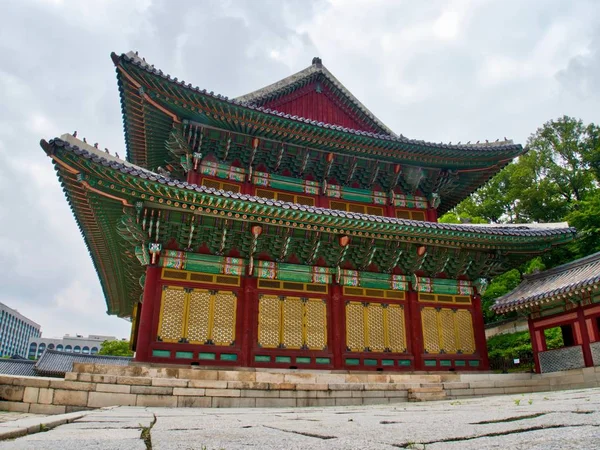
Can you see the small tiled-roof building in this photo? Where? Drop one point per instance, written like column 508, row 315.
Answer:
column 568, row 297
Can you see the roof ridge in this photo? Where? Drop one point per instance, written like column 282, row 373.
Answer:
column 128, row 167
column 558, row 269
column 317, row 67
column 133, row 58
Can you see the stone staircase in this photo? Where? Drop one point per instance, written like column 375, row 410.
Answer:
column 426, row 394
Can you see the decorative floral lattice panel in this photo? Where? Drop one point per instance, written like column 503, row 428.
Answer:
column 375, row 327
column 223, row 320
column 316, row 324
column 355, row 331
column 447, row 331
column 396, row 328
column 269, row 317
column 292, row 322
column 431, row 341
column 172, row 314
column 198, row 316
column 464, row 329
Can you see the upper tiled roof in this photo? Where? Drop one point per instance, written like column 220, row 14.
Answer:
column 54, row 363
column 562, row 281
column 98, row 156
column 21, row 367
column 315, row 70
column 483, row 147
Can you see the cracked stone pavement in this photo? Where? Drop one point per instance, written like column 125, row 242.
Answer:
column 554, row 420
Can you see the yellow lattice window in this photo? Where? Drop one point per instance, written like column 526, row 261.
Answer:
column 223, row 185
column 444, row 298
column 315, row 324
column 269, row 321
column 197, row 316
column 375, row 327
column 172, row 314
column 396, row 329
column 410, row 214
column 447, row 331
column 292, row 322
column 431, row 339
column 464, row 331
column 356, row 208
column 223, row 318
column 198, row 323
column 285, row 197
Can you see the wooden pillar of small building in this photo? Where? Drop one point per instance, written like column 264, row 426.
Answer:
column 249, row 302
column 338, row 326
column 583, row 337
column 479, row 330
column 415, row 329
column 150, row 299
column 535, row 344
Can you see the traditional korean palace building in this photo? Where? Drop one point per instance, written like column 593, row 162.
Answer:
column 287, row 228
column 568, row 297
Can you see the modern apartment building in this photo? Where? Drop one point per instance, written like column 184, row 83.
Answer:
column 15, row 332
column 89, row 345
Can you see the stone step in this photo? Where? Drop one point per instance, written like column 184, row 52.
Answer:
column 427, row 389
column 427, row 397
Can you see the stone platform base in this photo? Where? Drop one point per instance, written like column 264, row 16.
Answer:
column 93, row 386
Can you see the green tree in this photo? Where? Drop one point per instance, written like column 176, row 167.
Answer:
column 556, row 180
column 115, row 348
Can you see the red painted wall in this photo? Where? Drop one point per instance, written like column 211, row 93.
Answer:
column 322, row 106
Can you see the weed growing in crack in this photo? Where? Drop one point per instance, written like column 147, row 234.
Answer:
column 43, row 428
column 530, row 401
column 517, row 401
column 456, row 403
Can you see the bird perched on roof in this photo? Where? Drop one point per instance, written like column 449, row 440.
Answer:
column 477, row 142
column 106, row 151
column 95, row 145
column 84, row 140
column 75, row 133
column 117, row 155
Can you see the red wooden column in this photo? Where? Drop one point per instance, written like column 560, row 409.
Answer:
column 535, row 344
column 588, row 359
column 150, row 300
column 415, row 329
column 479, row 330
column 337, row 325
column 249, row 320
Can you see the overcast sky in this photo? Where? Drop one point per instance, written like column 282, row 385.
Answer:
column 436, row 70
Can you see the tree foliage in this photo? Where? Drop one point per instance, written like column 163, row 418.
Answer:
column 115, row 348
column 556, row 180
column 518, row 345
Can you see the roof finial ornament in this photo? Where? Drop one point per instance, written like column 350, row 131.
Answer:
column 84, row 141
column 95, row 145
column 75, row 133
column 117, row 155
column 316, row 61
column 106, row 151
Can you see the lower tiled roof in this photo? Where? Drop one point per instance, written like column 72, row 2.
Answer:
column 21, row 367
column 562, row 281
column 54, row 363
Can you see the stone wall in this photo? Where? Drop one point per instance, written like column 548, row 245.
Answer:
column 93, row 386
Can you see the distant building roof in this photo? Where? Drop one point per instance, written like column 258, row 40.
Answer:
column 560, row 282
column 54, row 363
column 21, row 367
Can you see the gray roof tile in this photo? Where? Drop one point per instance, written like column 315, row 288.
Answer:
column 546, row 286
column 54, row 363
column 21, row 367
